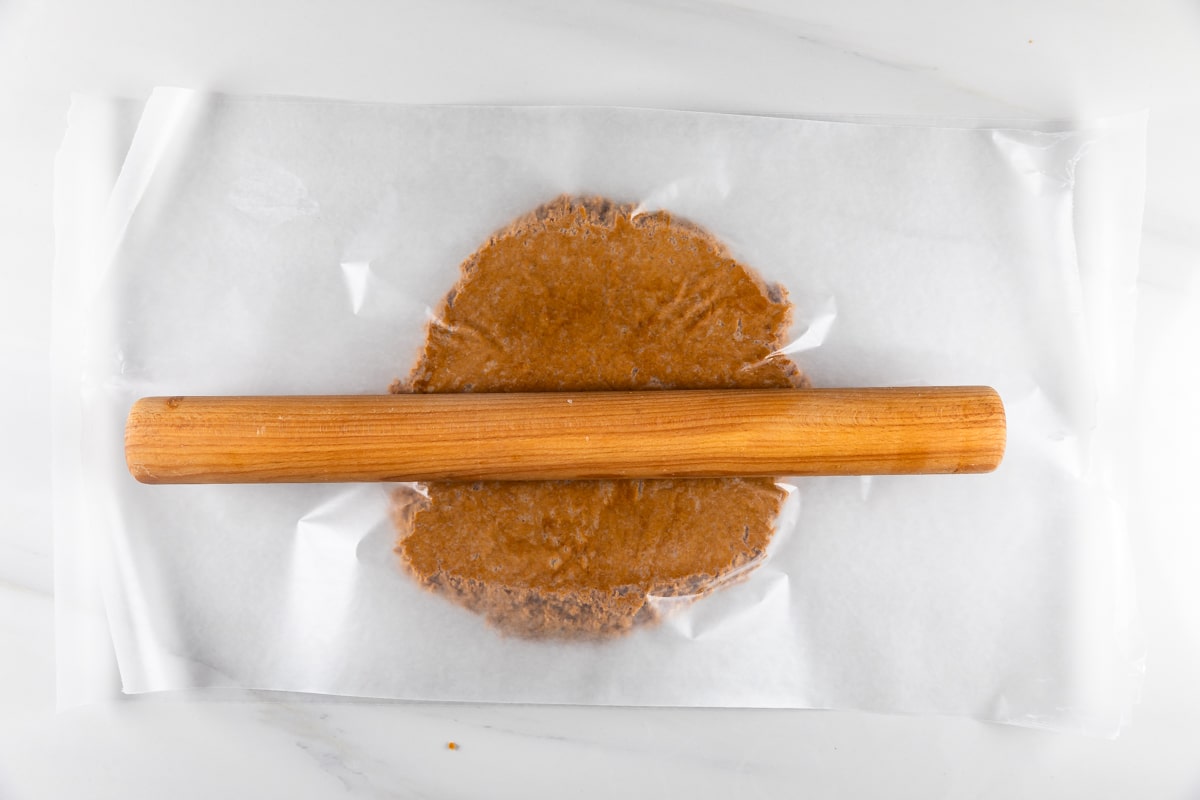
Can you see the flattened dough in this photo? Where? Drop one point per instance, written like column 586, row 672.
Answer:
column 586, row 295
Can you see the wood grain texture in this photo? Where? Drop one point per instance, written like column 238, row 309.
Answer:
column 565, row 435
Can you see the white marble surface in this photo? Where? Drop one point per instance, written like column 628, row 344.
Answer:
column 1027, row 59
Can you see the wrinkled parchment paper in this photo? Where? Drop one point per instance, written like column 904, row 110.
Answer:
column 272, row 246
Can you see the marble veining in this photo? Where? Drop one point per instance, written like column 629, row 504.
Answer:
column 1055, row 60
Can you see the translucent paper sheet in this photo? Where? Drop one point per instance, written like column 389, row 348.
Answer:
column 269, row 246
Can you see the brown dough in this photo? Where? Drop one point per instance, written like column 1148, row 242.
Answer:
column 583, row 294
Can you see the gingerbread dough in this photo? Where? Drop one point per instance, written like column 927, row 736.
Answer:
column 586, row 295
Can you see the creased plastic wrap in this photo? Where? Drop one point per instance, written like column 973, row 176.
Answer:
column 266, row 246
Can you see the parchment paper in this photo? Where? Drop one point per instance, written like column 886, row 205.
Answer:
column 270, row 246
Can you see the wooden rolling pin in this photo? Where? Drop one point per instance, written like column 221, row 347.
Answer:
column 565, row 435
